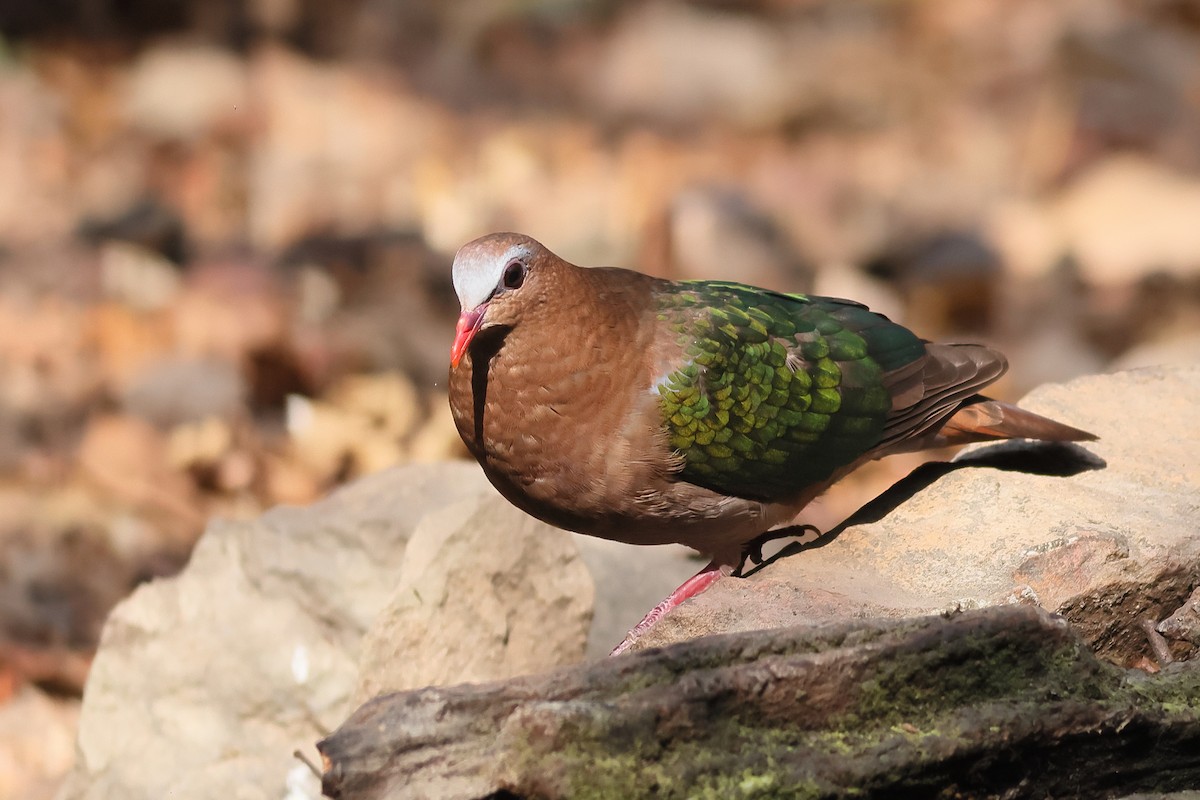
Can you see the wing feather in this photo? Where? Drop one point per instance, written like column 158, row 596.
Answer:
column 928, row 392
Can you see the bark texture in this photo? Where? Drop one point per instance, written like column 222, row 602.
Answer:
column 1006, row 701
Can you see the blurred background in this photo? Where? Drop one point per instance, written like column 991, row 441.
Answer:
column 226, row 228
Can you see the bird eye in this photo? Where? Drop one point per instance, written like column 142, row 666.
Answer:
column 514, row 275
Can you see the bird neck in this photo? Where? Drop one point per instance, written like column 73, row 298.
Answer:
column 563, row 394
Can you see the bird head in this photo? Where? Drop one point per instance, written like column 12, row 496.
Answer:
column 492, row 275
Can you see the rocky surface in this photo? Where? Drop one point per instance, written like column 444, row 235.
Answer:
column 424, row 576
column 37, row 734
column 483, row 593
column 206, row 683
column 982, row 701
column 1104, row 533
column 214, row 214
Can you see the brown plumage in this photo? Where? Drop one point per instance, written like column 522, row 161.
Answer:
column 618, row 405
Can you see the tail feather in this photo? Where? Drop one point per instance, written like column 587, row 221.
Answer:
column 983, row 419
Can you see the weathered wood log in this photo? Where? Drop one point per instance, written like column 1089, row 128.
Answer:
column 1004, row 701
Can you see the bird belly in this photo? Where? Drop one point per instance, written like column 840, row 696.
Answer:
column 617, row 495
column 562, row 446
column 672, row 512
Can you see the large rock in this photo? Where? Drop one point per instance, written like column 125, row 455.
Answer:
column 36, row 743
column 1124, row 218
column 671, row 61
column 184, row 92
column 501, row 595
column 205, row 684
column 1104, row 533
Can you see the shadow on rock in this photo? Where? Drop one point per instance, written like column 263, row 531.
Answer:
column 1052, row 459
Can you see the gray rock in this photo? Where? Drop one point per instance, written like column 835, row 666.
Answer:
column 185, row 92
column 206, row 683
column 1109, row 540
column 1185, row 622
column 172, row 391
column 484, row 592
column 720, row 233
column 680, row 63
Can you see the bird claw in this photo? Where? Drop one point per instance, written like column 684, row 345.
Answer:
column 752, row 551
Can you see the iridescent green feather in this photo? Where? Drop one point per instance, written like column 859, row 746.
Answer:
column 775, row 391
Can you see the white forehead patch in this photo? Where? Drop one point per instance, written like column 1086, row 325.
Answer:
column 478, row 267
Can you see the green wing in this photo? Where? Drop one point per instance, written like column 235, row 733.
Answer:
column 775, row 391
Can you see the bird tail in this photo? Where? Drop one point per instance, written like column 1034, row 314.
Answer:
column 982, row 419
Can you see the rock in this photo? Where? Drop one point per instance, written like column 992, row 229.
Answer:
column 177, row 390
column 184, row 92
column 680, row 63
column 994, row 702
column 332, row 442
column 138, row 278
column 1128, row 217
column 484, row 592
column 437, row 439
column 950, row 280
column 1104, row 535
column 1124, row 218
column 1180, row 349
column 229, row 309
column 36, row 735
column 719, row 233
column 48, row 374
column 59, row 576
column 205, row 684
column 127, row 458
column 151, row 226
column 126, row 341
column 1185, row 622
column 336, row 148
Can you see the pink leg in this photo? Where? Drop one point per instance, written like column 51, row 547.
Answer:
column 688, row 589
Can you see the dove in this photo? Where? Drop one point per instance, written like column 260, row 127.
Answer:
column 615, row 404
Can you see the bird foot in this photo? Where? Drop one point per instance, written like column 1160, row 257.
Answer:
column 752, row 551
column 688, row 589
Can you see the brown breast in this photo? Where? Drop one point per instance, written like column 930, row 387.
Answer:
column 561, row 413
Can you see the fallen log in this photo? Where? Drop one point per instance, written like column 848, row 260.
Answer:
column 1004, row 701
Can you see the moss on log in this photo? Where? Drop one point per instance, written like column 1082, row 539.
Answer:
column 1004, row 701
